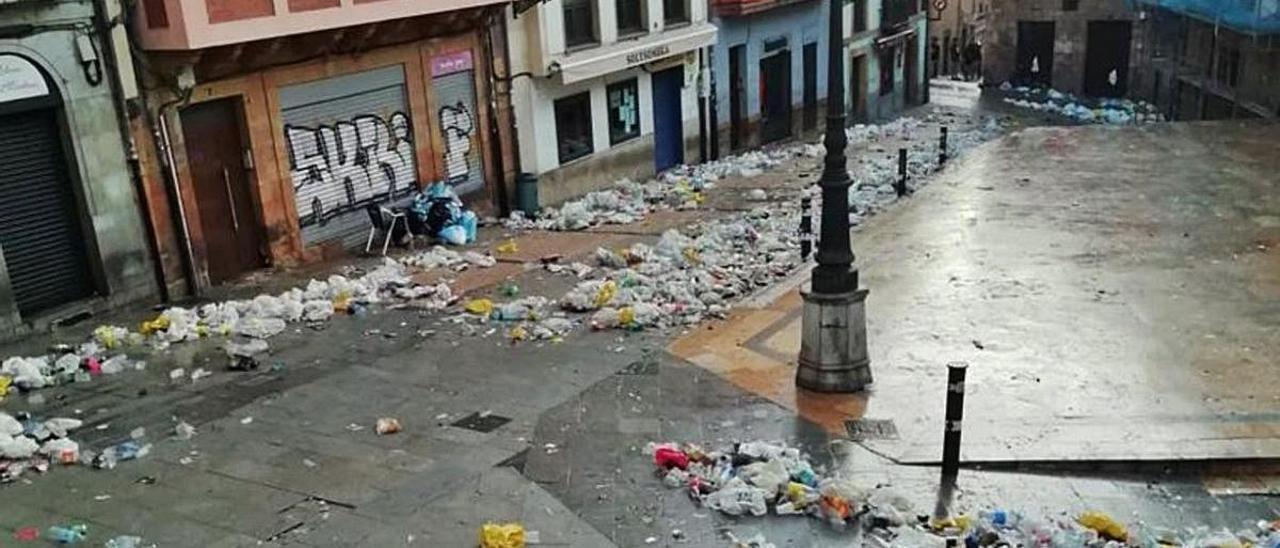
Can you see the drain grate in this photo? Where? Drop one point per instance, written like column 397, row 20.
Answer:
column 871, row 429
column 486, row 422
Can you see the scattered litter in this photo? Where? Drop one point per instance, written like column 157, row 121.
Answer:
column 1082, row 109
column 387, row 425
column 201, row 373
column 70, row 534
column 101, row 498
column 127, row 541
column 508, row 247
column 309, row 463
column 246, row 420
column 505, row 535
column 184, row 431
column 26, row 534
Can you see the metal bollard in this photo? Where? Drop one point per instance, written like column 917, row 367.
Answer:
column 942, row 147
column 806, row 227
column 901, row 187
column 955, row 414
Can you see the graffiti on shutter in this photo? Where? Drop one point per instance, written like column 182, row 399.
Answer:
column 453, row 79
column 350, row 144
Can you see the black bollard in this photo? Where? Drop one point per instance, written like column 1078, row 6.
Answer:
column 901, row 187
column 955, row 413
column 806, row 227
column 942, row 147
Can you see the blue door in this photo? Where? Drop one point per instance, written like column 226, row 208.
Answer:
column 668, row 133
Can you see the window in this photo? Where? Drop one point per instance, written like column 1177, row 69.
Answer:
column 630, row 17
column 624, row 111
column 1070, row 5
column 886, row 71
column 579, row 22
column 859, row 15
column 573, row 126
column 675, row 12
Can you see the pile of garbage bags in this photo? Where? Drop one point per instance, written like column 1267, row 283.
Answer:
column 438, row 212
column 27, row 443
column 1082, row 110
column 756, row 478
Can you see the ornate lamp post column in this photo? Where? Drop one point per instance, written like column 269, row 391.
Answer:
column 833, row 348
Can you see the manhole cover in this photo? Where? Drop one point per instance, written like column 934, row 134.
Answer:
column 871, row 429
column 482, row 422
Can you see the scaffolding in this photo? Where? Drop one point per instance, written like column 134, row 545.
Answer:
column 1254, row 17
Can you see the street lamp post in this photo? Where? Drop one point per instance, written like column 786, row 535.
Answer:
column 833, row 347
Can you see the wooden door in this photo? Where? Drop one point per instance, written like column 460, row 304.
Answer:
column 215, row 157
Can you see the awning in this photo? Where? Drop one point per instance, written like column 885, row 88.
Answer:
column 590, row 63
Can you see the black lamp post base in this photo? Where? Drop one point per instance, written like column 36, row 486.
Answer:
column 833, row 344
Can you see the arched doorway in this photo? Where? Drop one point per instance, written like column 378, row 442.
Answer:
column 42, row 240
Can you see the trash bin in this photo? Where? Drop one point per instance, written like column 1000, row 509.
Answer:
column 527, row 194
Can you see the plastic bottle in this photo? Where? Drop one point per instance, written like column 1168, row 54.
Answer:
column 125, row 541
column 68, row 535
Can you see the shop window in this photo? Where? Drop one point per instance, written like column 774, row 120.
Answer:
column 886, row 71
column 630, row 17
column 675, row 12
column 573, row 126
column 624, row 111
column 579, row 22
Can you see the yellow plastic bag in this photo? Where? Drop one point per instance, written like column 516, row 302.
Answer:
column 508, row 247
column 626, row 316
column 160, row 323
column 480, row 307
column 504, row 535
column 518, row 333
column 606, row 293
column 5, row 382
column 1105, row 525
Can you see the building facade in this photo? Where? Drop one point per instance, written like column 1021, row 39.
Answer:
column 1211, row 60
column 951, row 28
column 72, row 238
column 885, row 58
column 1085, row 47
column 606, row 89
column 276, row 124
column 768, row 70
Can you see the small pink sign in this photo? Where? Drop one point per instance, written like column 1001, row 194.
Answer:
column 451, row 63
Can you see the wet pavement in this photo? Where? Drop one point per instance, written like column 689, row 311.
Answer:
column 550, row 435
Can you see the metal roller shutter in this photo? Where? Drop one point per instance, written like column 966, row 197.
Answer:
column 40, row 234
column 350, row 144
column 459, row 124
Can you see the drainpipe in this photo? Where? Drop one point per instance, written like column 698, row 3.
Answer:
column 702, row 106
column 165, row 145
column 495, row 136
column 111, row 59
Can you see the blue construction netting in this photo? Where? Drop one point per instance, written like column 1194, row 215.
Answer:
column 1249, row 16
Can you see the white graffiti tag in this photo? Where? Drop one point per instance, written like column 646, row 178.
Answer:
column 340, row 168
column 457, row 124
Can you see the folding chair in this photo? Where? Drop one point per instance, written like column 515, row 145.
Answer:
column 384, row 219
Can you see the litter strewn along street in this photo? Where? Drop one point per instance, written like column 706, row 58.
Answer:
column 619, row 372
column 634, row 273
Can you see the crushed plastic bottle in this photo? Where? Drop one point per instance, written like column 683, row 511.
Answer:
column 67, row 535
column 127, row 541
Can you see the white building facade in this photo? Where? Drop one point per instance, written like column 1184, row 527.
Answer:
column 885, row 58
column 606, row 89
